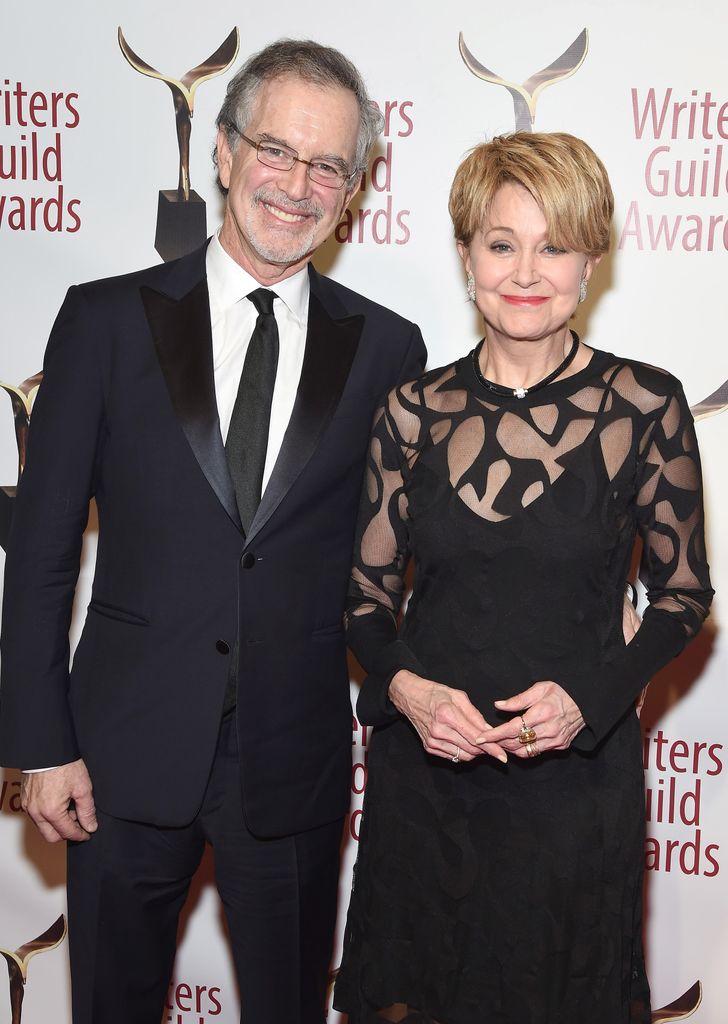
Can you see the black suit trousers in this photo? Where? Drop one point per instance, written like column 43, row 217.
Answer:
column 127, row 885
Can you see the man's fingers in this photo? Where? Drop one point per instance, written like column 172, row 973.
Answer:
column 59, row 826
column 86, row 812
column 47, row 831
column 70, row 829
column 67, row 827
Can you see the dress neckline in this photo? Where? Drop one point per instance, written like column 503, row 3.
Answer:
column 535, row 396
column 521, row 392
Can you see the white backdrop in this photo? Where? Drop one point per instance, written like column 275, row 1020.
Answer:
column 652, row 98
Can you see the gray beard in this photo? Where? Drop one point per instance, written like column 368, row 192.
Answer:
column 283, row 251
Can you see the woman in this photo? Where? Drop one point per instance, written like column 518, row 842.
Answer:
column 500, row 861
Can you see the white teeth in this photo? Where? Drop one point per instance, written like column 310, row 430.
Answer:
column 291, row 218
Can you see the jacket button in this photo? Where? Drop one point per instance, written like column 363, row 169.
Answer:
column 222, row 647
column 248, row 560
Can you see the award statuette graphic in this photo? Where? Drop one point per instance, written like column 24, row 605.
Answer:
column 181, row 220
column 18, row 960
column 22, row 398
column 526, row 96
column 682, row 1008
column 713, row 404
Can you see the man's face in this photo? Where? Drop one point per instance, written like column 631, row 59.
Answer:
column 275, row 219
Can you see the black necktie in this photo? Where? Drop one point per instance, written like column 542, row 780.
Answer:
column 247, row 439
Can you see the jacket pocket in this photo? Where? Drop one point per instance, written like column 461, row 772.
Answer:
column 113, row 611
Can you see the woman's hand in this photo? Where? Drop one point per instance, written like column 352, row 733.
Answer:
column 446, row 721
column 547, row 710
column 631, row 620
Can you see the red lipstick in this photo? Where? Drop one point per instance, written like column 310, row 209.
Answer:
column 525, row 300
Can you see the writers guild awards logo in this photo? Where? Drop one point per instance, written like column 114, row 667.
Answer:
column 181, row 221
column 18, row 960
column 525, row 96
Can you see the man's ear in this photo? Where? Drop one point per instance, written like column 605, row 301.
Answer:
column 351, row 192
column 224, row 158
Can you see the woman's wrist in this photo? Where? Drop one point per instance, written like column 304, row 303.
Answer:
column 401, row 685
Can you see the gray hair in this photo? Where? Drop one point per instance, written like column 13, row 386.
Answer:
column 312, row 62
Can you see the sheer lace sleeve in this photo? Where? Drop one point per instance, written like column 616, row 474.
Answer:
column 381, row 555
column 669, row 513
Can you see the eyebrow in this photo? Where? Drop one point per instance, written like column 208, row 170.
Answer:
column 502, row 229
column 331, row 157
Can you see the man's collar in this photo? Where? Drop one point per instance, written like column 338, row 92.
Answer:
column 227, row 283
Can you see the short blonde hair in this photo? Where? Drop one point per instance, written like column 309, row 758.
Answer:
column 562, row 173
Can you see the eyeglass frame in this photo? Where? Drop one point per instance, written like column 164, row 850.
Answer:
column 295, row 158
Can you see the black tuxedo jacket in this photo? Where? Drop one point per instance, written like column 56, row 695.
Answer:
column 127, row 413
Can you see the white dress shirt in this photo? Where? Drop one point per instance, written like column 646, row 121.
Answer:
column 233, row 319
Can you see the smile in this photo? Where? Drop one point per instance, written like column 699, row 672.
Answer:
column 525, row 300
column 289, row 218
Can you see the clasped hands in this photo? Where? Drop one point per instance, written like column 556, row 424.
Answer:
column 450, row 726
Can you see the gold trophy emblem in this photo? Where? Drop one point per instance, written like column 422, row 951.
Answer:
column 181, row 220
column 713, row 404
column 22, row 398
column 682, row 1007
column 526, row 96
column 18, row 960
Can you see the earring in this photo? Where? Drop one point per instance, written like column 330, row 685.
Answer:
column 471, row 287
column 582, row 289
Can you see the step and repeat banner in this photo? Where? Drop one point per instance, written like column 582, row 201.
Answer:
column 95, row 102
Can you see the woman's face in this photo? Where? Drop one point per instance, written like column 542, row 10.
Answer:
column 525, row 286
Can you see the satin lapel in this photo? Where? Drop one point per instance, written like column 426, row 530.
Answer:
column 330, row 349
column 183, row 339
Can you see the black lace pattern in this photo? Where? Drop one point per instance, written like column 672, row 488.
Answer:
column 512, row 895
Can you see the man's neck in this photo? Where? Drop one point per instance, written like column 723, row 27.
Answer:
column 265, row 273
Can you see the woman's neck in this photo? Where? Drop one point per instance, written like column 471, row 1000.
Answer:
column 516, row 363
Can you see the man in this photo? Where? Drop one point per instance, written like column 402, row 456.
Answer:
column 208, row 700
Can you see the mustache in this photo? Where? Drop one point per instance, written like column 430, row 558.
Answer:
column 268, row 194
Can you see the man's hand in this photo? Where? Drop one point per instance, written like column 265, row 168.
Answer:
column 446, row 721
column 60, row 803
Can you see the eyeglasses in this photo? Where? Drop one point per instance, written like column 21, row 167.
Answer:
column 282, row 158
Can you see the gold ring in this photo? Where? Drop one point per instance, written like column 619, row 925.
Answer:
column 531, row 749
column 526, row 734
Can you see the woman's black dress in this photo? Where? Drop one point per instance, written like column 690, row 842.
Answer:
column 490, row 894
